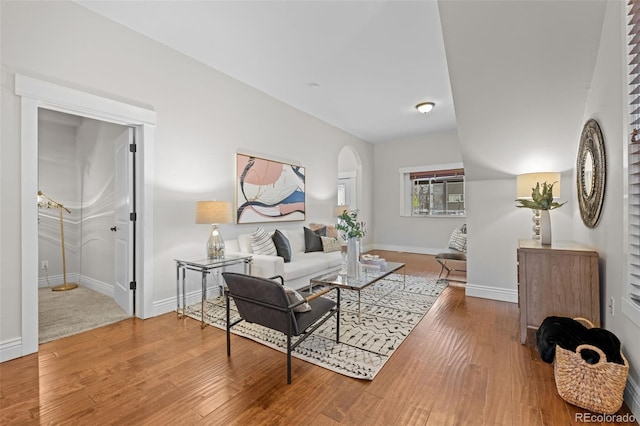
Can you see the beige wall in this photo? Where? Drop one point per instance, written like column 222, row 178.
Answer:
column 203, row 118
column 411, row 234
column 607, row 104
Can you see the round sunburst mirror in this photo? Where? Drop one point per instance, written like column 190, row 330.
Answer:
column 591, row 165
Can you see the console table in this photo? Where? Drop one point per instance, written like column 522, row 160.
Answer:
column 204, row 266
column 561, row 279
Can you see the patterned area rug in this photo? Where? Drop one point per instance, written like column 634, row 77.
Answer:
column 388, row 314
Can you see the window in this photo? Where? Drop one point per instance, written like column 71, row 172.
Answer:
column 432, row 191
column 632, row 305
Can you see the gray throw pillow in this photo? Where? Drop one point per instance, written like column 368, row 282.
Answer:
column 312, row 240
column 282, row 245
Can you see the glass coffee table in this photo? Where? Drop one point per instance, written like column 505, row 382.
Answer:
column 367, row 278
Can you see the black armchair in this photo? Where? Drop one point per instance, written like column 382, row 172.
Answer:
column 264, row 301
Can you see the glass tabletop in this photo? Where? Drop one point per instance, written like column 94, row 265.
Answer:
column 214, row 263
column 368, row 277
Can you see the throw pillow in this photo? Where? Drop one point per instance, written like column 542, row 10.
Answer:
column 332, row 231
column 319, row 229
column 330, row 244
column 261, row 243
column 283, row 248
column 295, row 297
column 458, row 240
column 312, row 241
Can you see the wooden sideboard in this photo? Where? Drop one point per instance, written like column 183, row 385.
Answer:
column 560, row 279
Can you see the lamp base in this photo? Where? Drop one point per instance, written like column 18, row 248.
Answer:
column 215, row 244
column 65, row 287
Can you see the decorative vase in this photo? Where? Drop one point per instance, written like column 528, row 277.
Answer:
column 353, row 258
column 343, row 253
column 545, row 227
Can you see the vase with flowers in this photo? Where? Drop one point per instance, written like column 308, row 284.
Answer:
column 351, row 230
column 542, row 201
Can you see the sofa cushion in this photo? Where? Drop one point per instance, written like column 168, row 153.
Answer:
column 330, row 244
column 312, row 240
column 244, row 243
column 283, row 248
column 296, row 240
column 261, row 243
column 304, row 264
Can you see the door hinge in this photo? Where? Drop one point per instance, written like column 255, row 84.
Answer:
column 133, row 147
column 133, row 285
column 133, row 217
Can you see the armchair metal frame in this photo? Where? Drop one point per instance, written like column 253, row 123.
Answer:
column 275, row 311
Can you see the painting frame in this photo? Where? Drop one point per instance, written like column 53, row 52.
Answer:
column 268, row 191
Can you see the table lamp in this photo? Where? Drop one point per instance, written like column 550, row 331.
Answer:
column 214, row 213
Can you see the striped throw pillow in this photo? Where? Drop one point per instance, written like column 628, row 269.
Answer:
column 458, row 241
column 261, row 243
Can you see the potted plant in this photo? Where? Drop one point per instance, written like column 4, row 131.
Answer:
column 542, row 201
column 351, row 230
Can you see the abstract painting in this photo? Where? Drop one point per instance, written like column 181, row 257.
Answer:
column 268, row 191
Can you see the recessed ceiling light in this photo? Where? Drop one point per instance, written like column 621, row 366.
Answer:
column 425, row 107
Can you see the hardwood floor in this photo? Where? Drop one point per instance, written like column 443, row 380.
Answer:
column 462, row 365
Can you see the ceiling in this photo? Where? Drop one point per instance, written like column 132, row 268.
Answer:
column 519, row 71
column 361, row 66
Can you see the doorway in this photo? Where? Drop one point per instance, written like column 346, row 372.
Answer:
column 35, row 94
column 77, row 162
column 349, row 169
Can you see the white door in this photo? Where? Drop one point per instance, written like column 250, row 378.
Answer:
column 124, row 231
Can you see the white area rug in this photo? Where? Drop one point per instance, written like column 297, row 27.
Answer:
column 65, row 313
column 388, row 314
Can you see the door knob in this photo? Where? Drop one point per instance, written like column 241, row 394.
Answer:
column 114, row 229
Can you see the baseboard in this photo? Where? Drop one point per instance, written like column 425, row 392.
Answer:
column 632, row 397
column 95, row 285
column 164, row 306
column 407, row 249
column 493, row 293
column 11, row 349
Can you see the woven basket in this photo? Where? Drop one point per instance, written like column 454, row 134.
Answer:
column 596, row 387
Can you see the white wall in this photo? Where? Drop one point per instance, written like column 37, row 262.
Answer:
column 96, row 159
column 606, row 104
column 58, row 178
column 203, row 118
column 411, row 234
column 494, row 227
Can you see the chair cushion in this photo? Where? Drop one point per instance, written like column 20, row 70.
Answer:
column 319, row 308
column 451, row 256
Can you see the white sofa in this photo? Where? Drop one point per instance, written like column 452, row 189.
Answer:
column 299, row 271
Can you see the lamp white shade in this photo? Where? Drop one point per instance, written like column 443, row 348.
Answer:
column 341, row 209
column 526, row 182
column 210, row 212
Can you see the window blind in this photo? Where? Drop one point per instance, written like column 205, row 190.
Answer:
column 634, row 151
column 430, row 174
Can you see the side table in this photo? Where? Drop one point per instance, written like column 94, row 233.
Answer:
column 204, row 266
